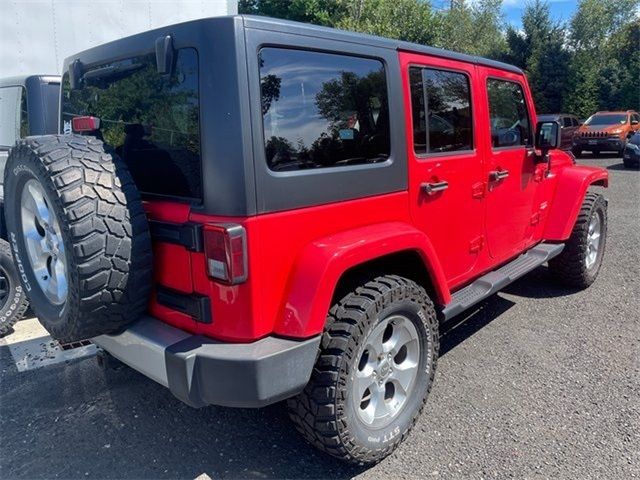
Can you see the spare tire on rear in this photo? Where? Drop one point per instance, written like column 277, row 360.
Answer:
column 79, row 235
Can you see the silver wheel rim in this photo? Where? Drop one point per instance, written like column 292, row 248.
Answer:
column 43, row 240
column 386, row 371
column 593, row 241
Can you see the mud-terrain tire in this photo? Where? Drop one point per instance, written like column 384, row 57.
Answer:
column 13, row 301
column 573, row 267
column 87, row 234
column 328, row 413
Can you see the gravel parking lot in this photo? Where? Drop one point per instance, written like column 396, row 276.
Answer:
column 539, row 382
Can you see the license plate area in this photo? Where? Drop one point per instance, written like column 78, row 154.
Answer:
column 593, row 142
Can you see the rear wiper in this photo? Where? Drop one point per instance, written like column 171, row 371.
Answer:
column 104, row 75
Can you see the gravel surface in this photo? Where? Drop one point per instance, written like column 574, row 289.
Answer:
column 540, row 382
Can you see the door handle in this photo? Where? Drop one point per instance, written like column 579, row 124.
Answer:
column 497, row 175
column 434, row 187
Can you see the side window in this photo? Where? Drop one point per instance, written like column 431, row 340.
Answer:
column 574, row 122
column 11, row 99
column 446, row 127
column 510, row 125
column 567, row 122
column 322, row 110
column 24, row 115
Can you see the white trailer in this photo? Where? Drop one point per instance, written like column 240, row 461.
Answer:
column 37, row 35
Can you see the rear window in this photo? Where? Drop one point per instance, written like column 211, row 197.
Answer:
column 322, row 110
column 13, row 115
column 151, row 120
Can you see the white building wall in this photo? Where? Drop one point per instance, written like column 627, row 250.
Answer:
column 37, row 35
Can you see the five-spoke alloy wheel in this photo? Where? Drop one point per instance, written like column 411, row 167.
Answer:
column 376, row 366
column 44, row 245
column 387, row 370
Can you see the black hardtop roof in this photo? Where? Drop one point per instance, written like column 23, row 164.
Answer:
column 286, row 26
column 22, row 79
column 309, row 30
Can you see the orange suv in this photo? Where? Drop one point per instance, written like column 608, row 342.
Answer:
column 606, row 131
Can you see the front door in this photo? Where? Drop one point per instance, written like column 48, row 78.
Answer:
column 511, row 169
column 445, row 171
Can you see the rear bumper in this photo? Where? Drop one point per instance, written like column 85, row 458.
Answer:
column 600, row 143
column 201, row 371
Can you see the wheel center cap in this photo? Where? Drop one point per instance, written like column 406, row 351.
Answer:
column 384, row 369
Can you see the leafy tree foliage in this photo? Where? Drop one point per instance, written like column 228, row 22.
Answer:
column 590, row 63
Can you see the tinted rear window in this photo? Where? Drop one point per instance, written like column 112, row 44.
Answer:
column 13, row 115
column 322, row 110
column 51, row 104
column 151, row 120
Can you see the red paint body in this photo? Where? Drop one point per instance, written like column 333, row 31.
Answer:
column 296, row 258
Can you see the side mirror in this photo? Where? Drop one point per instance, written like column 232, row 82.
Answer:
column 548, row 136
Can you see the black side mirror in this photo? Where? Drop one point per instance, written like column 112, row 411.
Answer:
column 548, row 136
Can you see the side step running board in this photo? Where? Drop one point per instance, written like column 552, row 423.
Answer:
column 495, row 281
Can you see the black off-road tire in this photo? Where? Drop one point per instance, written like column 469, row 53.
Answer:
column 323, row 412
column 103, row 227
column 13, row 301
column 569, row 267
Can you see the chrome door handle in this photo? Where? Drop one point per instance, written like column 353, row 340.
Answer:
column 496, row 175
column 434, row 187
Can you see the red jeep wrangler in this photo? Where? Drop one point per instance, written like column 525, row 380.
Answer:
column 248, row 210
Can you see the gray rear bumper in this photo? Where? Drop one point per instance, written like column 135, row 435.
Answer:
column 201, row 371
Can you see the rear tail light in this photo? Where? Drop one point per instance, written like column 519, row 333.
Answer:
column 225, row 247
column 85, row 124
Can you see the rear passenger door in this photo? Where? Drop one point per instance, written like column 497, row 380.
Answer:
column 445, row 171
column 512, row 172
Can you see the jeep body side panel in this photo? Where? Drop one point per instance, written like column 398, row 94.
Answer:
column 279, row 246
column 571, row 187
column 321, row 264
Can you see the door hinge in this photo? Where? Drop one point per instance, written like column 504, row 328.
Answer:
column 476, row 244
column 479, row 190
column 535, row 218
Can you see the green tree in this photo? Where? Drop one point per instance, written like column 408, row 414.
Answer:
column 473, row 28
column 604, row 70
column 318, row 12
column 540, row 50
column 409, row 20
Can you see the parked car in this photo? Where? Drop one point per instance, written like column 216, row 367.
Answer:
column 568, row 126
column 631, row 154
column 28, row 106
column 606, row 131
column 306, row 227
